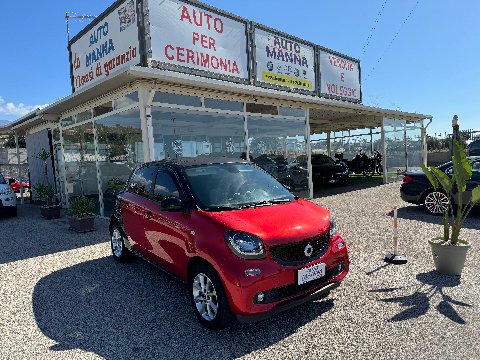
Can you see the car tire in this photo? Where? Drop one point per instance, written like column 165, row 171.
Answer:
column 435, row 202
column 117, row 242
column 208, row 297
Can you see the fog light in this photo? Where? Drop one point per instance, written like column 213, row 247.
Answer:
column 341, row 244
column 260, row 297
column 252, row 272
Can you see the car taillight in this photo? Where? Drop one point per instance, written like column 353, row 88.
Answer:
column 407, row 179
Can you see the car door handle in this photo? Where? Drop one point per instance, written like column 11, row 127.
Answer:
column 147, row 215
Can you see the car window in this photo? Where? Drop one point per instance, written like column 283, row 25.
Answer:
column 2, row 179
column 142, row 181
column 165, row 187
column 476, row 166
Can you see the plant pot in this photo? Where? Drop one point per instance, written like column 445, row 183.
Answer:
column 81, row 224
column 50, row 212
column 449, row 259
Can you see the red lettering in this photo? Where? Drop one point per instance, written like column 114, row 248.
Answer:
column 211, row 43
column 180, row 54
column 218, row 25
column 208, row 16
column 342, row 77
column 190, row 56
column 169, row 47
column 195, row 37
column 185, row 15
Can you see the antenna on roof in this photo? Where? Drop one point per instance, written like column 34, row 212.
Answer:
column 75, row 16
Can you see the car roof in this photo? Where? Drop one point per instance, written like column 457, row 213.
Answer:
column 195, row 161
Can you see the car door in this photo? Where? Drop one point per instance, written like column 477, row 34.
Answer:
column 474, row 181
column 168, row 233
column 134, row 203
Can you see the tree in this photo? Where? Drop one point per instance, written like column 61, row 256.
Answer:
column 10, row 142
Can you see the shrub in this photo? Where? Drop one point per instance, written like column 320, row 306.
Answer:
column 81, row 207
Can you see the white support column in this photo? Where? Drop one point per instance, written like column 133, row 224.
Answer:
column 19, row 169
column 309, row 152
column 245, row 129
column 384, row 153
column 145, row 97
column 424, row 143
column 329, row 145
column 99, row 173
column 371, row 142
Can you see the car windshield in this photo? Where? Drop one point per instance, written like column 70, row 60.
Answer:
column 322, row 160
column 2, row 179
column 234, row 186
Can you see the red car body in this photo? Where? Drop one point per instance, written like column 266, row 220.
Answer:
column 174, row 240
column 15, row 184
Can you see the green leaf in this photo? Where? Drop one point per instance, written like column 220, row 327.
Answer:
column 462, row 171
column 430, row 176
column 443, row 179
column 475, row 195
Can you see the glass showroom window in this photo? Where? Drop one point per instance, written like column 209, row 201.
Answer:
column 396, row 162
column 120, row 150
column 277, row 145
column 185, row 133
column 80, row 166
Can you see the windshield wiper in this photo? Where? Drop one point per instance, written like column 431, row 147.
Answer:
column 280, row 201
column 222, row 208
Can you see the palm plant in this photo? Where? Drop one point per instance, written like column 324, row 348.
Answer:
column 455, row 188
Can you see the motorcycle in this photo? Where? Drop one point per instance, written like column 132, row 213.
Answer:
column 360, row 164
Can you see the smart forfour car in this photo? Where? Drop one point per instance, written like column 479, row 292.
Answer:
column 245, row 245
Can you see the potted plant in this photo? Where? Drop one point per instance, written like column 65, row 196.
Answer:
column 81, row 217
column 449, row 251
column 46, row 193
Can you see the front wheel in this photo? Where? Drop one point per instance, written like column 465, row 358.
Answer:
column 436, row 202
column 209, row 301
column 117, row 242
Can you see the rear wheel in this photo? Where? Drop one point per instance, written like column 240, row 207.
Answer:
column 209, row 300
column 436, row 202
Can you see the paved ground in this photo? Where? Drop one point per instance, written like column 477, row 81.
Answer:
column 63, row 297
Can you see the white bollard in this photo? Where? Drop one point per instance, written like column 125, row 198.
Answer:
column 395, row 257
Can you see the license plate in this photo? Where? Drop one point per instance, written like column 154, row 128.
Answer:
column 311, row 273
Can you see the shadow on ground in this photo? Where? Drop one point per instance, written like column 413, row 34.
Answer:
column 418, row 303
column 133, row 310
column 418, row 213
column 355, row 182
column 29, row 235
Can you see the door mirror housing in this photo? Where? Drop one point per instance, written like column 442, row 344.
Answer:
column 171, row 204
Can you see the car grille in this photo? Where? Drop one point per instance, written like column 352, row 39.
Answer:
column 287, row 291
column 294, row 253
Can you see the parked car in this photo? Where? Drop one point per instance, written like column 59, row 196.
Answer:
column 15, row 184
column 326, row 170
column 474, row 148
column 8, row 199
column 245, row 245
column 416, row 188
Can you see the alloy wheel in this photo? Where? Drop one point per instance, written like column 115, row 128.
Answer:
column 205, row 297
column 436, row 202
column 117, row 243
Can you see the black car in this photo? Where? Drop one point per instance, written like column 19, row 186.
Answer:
column 474, row 148
column 326, row 170
column 416, row 188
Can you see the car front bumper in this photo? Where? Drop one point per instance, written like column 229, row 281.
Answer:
column 8, row 200
column 278, row 282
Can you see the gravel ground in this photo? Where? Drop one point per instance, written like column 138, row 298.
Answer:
column 63, row 297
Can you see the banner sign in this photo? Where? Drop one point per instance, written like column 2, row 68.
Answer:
column 109, row 45
column 193, row 37
column 339, row 77
column 283, row 61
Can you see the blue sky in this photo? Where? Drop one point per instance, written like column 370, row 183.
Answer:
column 422, row 55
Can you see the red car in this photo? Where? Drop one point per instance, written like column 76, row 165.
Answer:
column 15, row 184
column 246, row 246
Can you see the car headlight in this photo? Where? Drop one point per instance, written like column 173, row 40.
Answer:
column 333, row 227
column 6, row 191
column 245, row 246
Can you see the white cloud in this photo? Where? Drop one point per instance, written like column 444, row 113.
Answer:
column 20, row 109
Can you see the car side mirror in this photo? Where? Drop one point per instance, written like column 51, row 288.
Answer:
column 11, row 181
column 171, row 204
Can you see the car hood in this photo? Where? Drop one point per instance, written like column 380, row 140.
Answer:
column 278, row 224
column 4, row 186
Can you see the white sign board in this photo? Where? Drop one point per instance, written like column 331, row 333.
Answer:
column 109, row 46
column 282, row 61
column 339, row 77
column 190, row 36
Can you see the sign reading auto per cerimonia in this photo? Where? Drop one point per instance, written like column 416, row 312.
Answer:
column 190, row 36
column 284, row 61
column 339, row 76
column 110, row 44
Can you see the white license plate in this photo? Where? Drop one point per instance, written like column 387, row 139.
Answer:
column 311, row 273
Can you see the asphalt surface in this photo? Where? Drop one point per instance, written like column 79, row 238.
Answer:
column 62, row 296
